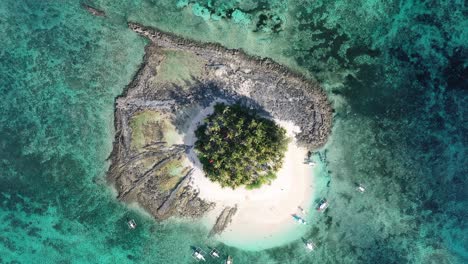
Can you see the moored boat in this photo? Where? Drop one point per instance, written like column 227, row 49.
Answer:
column 131, row 224
column 323, row 205
column 229, row 260
column 360, row 188
column 214, row 253
column 198, row 255
column 310, row 245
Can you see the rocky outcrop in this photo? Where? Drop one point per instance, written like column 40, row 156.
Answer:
column 184, row 200
column 257, row 82
column 223, row 220
column 177, row 79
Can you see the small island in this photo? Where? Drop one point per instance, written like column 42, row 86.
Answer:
column 215, row 135
column 238, row 147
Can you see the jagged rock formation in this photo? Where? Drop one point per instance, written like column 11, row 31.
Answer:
column 223, row 220
column 176, row 80
column 257, row 82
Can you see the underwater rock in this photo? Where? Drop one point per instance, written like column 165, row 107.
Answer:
column 93, row 11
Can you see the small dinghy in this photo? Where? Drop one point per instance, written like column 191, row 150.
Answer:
column 323, row 205
column 131, row 224
column 198, row 255
column 229, row 260
column 299, row 219
column 214, row 253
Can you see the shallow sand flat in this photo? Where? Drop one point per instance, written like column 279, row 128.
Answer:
column 264, row 216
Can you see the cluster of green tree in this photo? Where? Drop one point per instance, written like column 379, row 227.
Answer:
column 238, row 147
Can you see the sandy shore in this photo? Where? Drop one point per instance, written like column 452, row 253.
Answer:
column 264, row 216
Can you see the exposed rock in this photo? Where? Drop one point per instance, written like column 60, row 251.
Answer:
column 223, row 220
column 178, row 78
column 274, row 89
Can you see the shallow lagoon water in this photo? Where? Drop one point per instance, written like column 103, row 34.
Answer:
column 395, row 72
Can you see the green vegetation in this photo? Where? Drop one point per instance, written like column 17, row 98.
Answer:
column 238, row 147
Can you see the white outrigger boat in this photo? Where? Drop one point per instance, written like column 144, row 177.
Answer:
column 214, row 253
column 299, row 219
column 229, row 260
column 310, row 245
column 131, row 224
column 323, row 205
column 360, row 188
column 198, row 255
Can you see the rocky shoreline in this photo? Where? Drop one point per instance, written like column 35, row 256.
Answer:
column 176, row 80
column 287, row 87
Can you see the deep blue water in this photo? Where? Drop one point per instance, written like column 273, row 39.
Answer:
column 395, row 72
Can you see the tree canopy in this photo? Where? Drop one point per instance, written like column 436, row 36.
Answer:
column 238, row 147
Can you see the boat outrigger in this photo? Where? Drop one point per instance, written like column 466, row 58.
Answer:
column 229, row 260
column 131, row 224
column 214, row 253
column 299, row 219
column 198, row 255
column 323, row 205
column 310, row 245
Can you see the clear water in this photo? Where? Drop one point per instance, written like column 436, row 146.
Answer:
column 395, row 72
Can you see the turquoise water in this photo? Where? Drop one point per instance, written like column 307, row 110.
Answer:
column 395, row 72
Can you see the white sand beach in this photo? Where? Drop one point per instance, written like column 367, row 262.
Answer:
column 264, row 216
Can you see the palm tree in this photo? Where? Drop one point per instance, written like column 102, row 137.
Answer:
column 238, row 147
